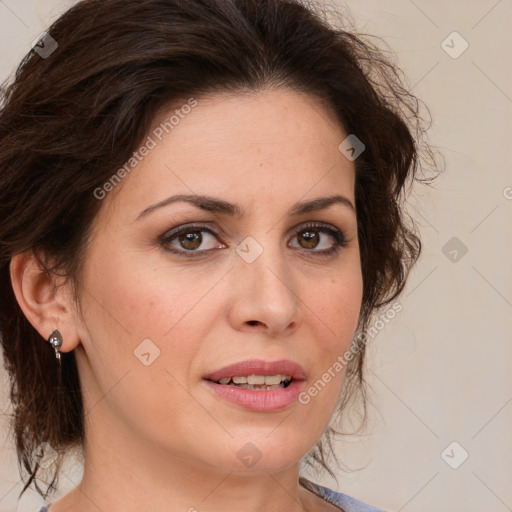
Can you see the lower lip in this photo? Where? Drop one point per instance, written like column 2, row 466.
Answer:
column 259, row 400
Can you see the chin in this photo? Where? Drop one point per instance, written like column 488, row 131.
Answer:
column 268, row 452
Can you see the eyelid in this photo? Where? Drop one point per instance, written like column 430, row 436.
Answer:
column 337, row 234
column 192, row 226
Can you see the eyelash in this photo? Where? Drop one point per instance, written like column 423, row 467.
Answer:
column 340, row 240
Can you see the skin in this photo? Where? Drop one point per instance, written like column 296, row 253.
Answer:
column 156, row 438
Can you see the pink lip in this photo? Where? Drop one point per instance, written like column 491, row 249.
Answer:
column 258, row 400
column 259, row 367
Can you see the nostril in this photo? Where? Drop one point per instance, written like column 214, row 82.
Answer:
column 253, row 322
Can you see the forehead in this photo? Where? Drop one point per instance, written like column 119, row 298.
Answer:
column 272, row 144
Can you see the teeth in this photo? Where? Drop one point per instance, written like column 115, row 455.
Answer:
column 271, row 380
column 254, row 380
column 261, row 387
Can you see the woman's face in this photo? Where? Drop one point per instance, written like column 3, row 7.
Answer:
column 262, row 280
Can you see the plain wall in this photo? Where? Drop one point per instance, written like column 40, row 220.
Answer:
column 440, row 371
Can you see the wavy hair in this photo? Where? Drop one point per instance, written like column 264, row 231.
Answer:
column 69, row 120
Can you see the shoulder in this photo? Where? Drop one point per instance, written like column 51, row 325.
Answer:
column 345, row 502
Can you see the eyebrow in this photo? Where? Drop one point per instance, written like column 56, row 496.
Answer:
column 215, row 205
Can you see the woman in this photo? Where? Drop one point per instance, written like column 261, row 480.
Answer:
column 201, row 213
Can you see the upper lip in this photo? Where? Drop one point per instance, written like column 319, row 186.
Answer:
column 258, row 367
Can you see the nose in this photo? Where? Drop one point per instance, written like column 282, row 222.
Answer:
column 264, row 295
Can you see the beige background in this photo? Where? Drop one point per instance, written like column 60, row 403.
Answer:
column 441, row 369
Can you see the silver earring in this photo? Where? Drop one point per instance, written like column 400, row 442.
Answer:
column 55, row 341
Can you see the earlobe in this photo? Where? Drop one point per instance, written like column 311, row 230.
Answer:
column 41, row 299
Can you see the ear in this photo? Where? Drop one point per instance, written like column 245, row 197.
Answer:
column 46, row 302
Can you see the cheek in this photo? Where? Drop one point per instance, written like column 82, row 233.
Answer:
column 337, row 305
column 139, row 299
column 335, row 313
column 141, row 308
column 123, row 307
column 136, row 322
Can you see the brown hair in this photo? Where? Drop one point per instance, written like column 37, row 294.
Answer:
column 70, row 120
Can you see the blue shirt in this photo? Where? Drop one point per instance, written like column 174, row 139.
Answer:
column 343, row 501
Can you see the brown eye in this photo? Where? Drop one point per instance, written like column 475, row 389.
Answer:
column 310, row 238
column 319, row 239
column 190, row 240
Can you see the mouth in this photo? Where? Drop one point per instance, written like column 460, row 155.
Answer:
column 258, row 385
column 258, row 373
column 257, row 382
